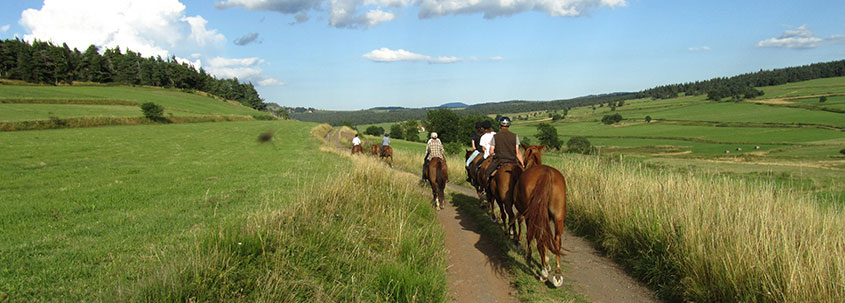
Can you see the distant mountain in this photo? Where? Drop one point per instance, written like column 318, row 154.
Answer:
column 387, row 108
column 453, row 105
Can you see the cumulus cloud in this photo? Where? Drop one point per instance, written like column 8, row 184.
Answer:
column 699, row 48
column 151, row 27
column 4, row 28
column 389, row 55
column 245, row 69
column 799, row 38
column 247, row 39
column 345, row 13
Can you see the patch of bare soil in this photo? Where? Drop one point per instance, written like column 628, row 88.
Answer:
column 775, row 101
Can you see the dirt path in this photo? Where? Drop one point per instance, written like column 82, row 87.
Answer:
column 475, row 272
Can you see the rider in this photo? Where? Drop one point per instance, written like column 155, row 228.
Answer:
column 486, row 138
column 505, row 147
column 385, row 141
column 433, row 149
column 356, row 141
column 476, row 146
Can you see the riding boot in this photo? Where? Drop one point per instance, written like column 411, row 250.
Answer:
column 425, row 171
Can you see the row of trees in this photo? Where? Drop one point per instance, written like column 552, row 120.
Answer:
column 45, row 63
column 743, row 86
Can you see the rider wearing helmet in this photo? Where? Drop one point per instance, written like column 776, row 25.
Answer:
column 433, row 148
column 505, row 147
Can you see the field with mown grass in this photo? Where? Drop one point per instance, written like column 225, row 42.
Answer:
column 30, row 103
column 206, row 212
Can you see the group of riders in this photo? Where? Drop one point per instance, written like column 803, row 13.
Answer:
column 502, row 146
column 499, row 172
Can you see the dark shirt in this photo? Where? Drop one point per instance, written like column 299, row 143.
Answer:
column 505, row 142
column 477, row 139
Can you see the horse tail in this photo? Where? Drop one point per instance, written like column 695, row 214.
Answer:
column 441, row 174
column 537, row 214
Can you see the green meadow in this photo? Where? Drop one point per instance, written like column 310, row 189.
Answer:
column 184, row 212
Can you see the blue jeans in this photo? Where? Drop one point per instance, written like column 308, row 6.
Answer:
column 472, row 157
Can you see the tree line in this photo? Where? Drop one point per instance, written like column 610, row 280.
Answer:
column 46, row 63
column 743, row 86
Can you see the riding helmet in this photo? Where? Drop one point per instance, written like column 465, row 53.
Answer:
column 505, row 121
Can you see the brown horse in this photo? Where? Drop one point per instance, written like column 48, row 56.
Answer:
column 482, row 182
column 357, row 149
column 540, row 198
column 374, row 150
column 533, row 155
column 387, row 155
column 438, row 175
column 472, row 168
column 501, row 187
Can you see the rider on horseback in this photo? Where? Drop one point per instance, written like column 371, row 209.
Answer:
column 385, row 141
column 356, row 141
column 504, row 147
column 476, row 146
column 433, row 149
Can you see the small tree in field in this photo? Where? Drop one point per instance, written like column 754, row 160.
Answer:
column 374, row 130
column 648, row 119
column 822, row 99
column 547, row 135
column 153, row 111
column 396, row 131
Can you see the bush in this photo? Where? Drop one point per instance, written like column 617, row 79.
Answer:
column 453, row 148
column 842, row 151
column 153, row 111
column 579, row 145
column 648, row 119
column 822, row 99
column 374, row 130
column 610, row 119
column 396, row 131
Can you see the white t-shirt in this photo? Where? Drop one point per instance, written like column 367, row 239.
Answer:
column 485, row 141
column 356, row 141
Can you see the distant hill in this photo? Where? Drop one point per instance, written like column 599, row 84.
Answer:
column 453, row 105
column 387, row 108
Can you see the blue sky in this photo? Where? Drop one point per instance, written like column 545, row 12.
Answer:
column 354, row 54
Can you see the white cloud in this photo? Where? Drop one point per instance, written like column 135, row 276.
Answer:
column 799, row 38
column 344, row 13
column 245, row 69
column 4, row 28
column 151, row 27
column 699, row 48
column 496, row 58
column 389, row 55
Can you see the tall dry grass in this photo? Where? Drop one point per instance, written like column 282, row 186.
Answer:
column 107, row 121
column 706, row 238
column 365, row 234
column 412, row 162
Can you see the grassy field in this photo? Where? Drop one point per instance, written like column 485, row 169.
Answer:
column 176, row 102
column 137, row 212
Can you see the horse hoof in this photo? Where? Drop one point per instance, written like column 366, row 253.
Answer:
column 557, row 280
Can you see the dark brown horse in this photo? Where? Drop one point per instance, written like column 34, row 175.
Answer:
column 483, row 182
column 472, row 168
column 438, row 175
column 374, row 150
column 357, row 149
column 387, row 155
column 540, row 198
column 501, row 186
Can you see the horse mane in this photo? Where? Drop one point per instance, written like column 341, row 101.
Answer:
column 537, row 214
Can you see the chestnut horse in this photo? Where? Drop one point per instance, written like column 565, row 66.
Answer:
column 387, row 155
column 357, row 149
column 540, row 197
column 501, row 187
column 483, row 182
column 533, row 154
column 374, row 150
column 438, row 175
column 472, row 168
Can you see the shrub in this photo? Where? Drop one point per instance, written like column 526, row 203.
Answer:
column 374, row 130
column 153, row 111
column 610, row 119
column 453, row 148
column 648, row 119
column 579, row 145
column 260, row 117
column 822, row 99
column 842, row 151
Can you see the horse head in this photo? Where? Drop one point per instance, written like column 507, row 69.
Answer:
column 533, row 154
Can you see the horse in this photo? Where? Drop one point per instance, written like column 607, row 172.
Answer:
column 387, row 155
column 357, row 149
column 438, row 175
column 482, row 183
column 374, row 150
column 501, row 188
column 472, row 168
column 540, row 197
